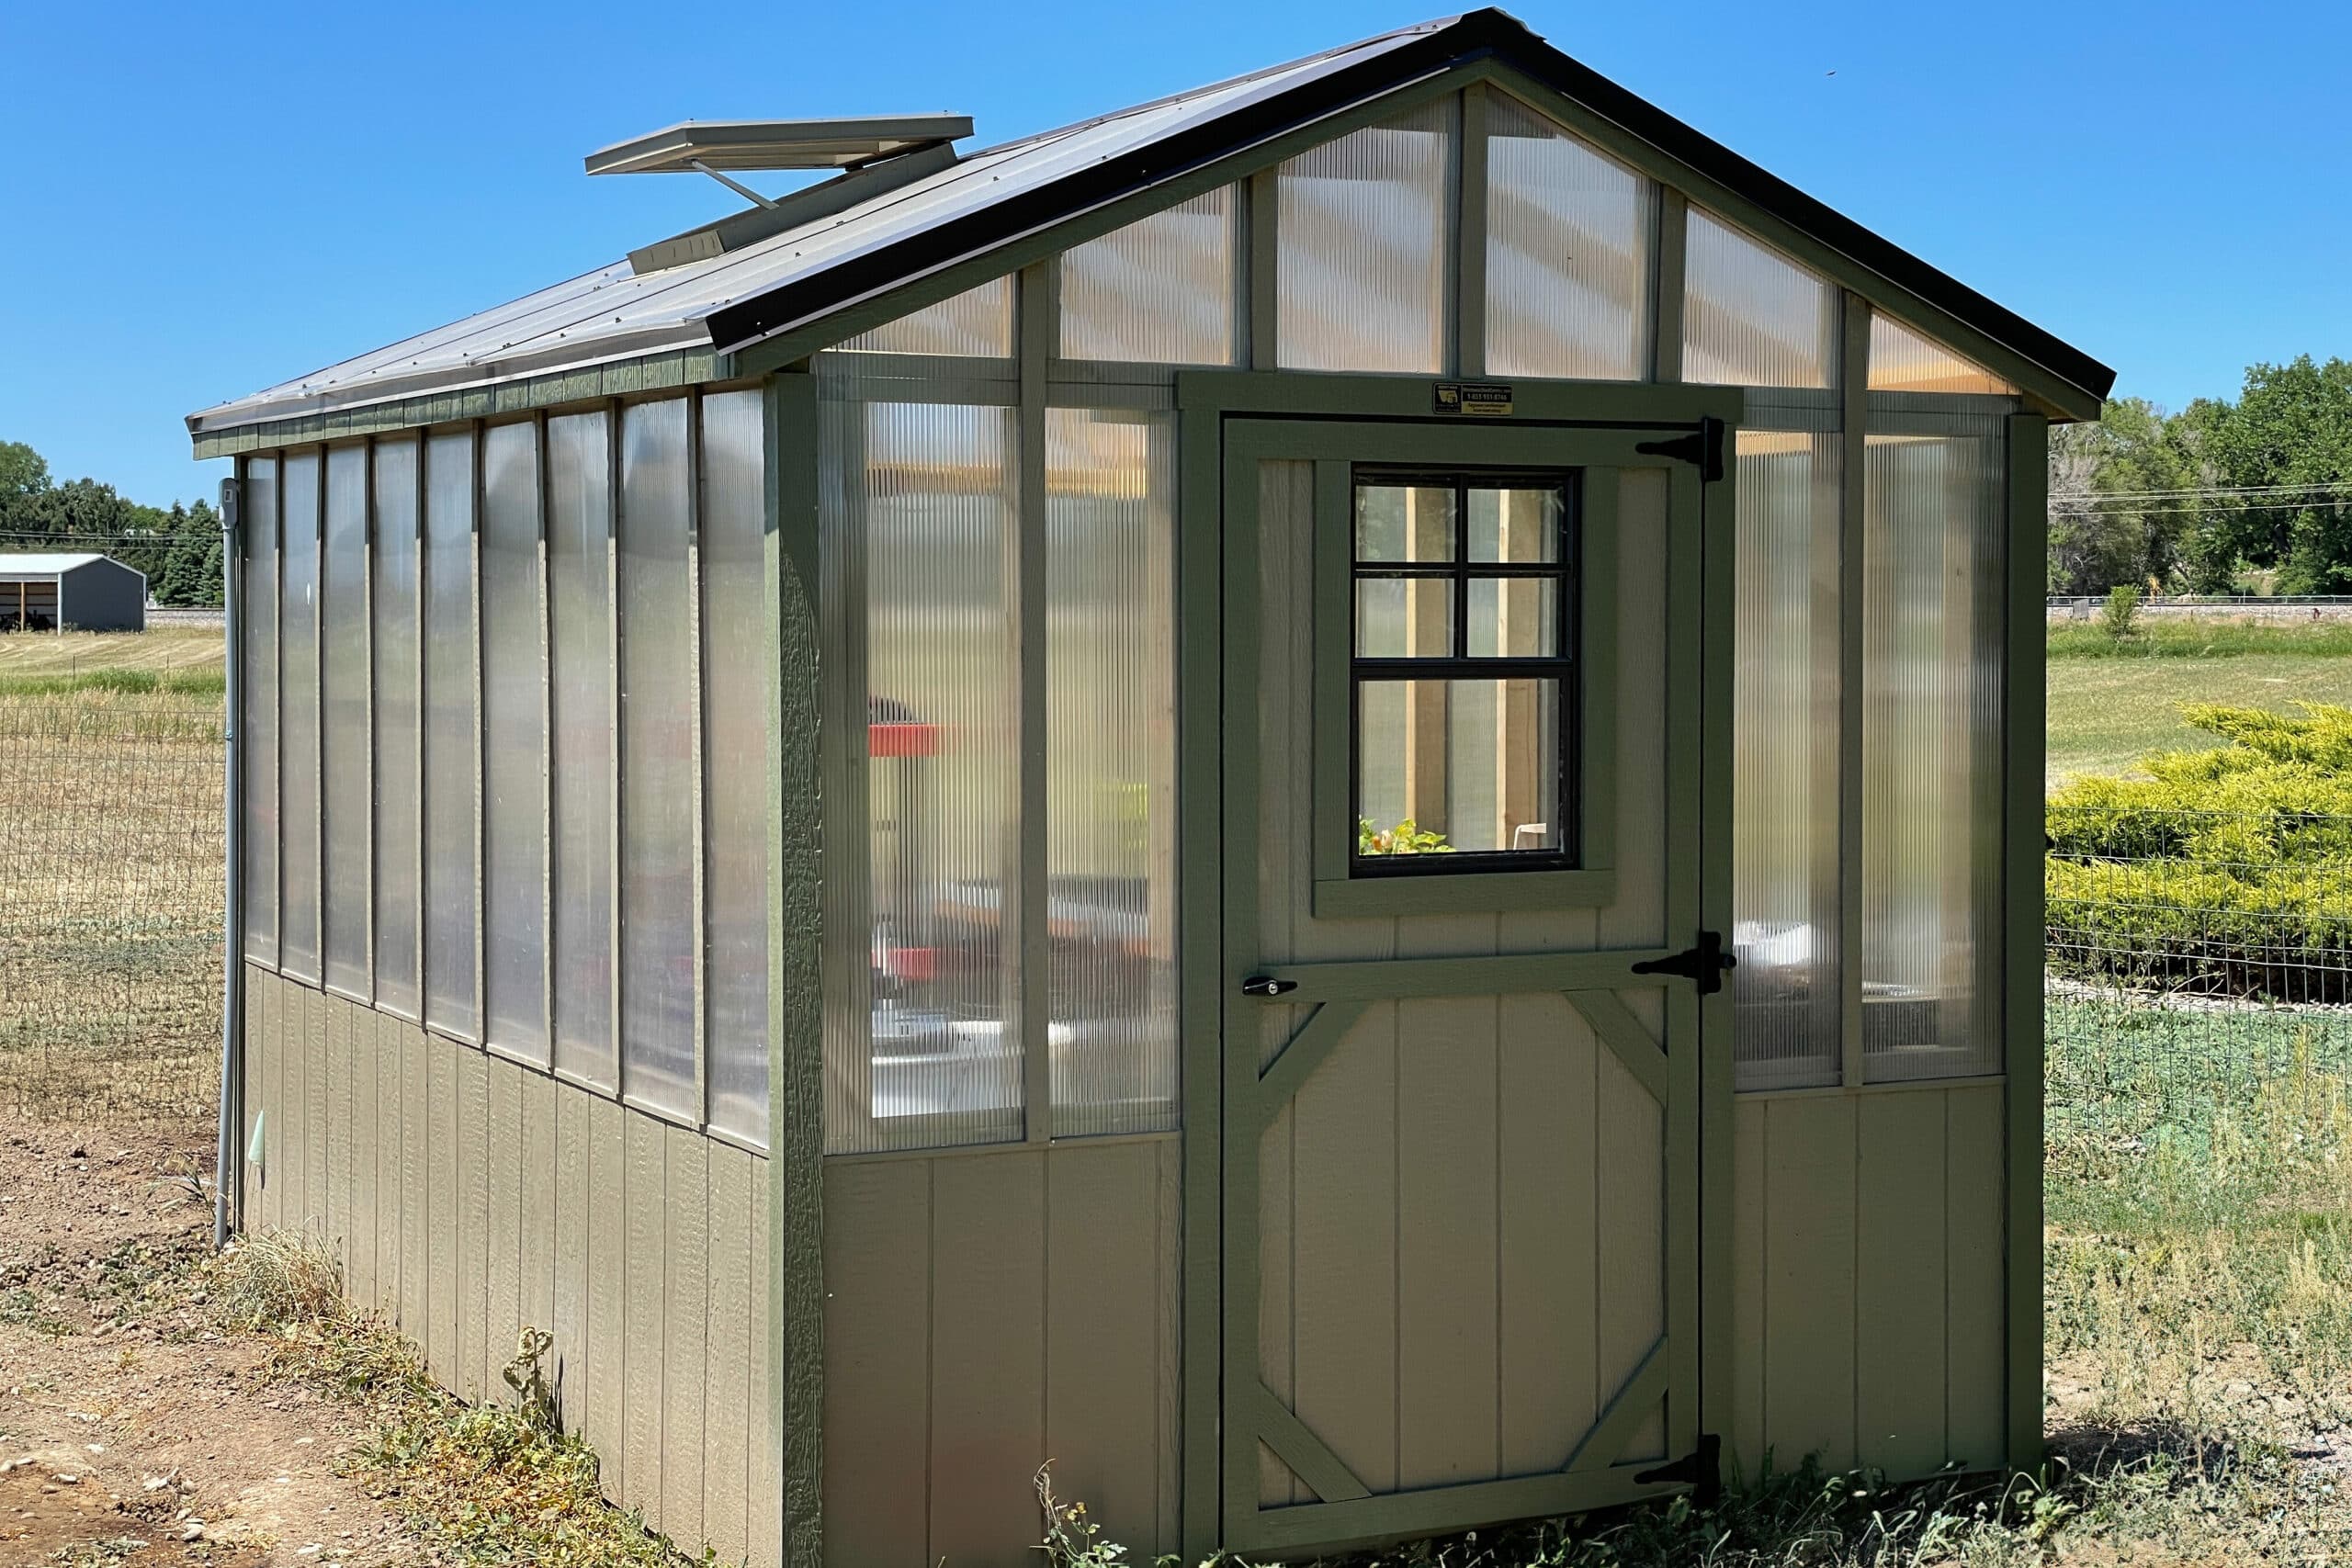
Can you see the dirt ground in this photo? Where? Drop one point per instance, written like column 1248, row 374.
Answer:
column 132, row 1429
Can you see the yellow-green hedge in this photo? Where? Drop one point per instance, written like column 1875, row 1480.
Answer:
column 2227, row 871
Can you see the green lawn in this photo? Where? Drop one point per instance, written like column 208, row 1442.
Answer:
column 2104, row 713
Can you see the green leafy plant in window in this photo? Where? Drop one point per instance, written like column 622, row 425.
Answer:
column 1406, row 837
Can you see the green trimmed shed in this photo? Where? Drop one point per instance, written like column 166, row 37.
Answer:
column 1323, row 798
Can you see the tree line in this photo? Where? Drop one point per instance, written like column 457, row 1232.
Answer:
column 2246, row 495
column 177, row 547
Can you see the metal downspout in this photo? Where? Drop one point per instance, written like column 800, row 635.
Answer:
column 227, row 1196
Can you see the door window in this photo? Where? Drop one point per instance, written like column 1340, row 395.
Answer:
column 1462, row 674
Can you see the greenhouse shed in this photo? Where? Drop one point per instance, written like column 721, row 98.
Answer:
column 1323, row 798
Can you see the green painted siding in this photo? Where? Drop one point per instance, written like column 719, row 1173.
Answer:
column 468, row 1196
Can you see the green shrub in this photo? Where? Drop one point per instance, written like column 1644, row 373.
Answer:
column 2227, row 872
column 2120, row 616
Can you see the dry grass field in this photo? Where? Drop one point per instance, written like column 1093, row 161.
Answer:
column 110, row 873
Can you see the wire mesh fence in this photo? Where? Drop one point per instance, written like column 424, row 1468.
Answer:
column 2198, row 960
column 111, row 897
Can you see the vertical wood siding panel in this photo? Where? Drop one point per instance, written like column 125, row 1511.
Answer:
column 766, row 1502
column 1547, row 1197
column 502, row 1229
column 473, row 1224
column 644, row 1263
column 359, row 1035
column 987, row 1313
column 1172, row 1343
column 1975, row 1272
column 390, row 1132
column 1809, row 1281
column 1899, row 1295
column 416, row 1183
column 251, row 1194
column 332, row 1202
column 605, row 1354
column 1345, row 1200
column 1446, row 1217
column 1101, row 1333
column 686, row 1322
column 1277, row 1358
column 294, row 1094
column 574, row 1214
column 1751, row 1187
column 537, row 1249
column 264, row 1007
column 441, row 1236
column 1631, row 1149
column 726, row 1464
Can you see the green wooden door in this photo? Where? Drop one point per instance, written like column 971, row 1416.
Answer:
column 1459, row 1129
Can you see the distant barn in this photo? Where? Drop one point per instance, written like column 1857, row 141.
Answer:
column 77, row 592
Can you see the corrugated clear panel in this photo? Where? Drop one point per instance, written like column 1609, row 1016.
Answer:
column 580, row 622
column 1904, row 361
column 735, row 763
column 1570, row 232
column 657, row 697
column 1111, row 769
column 259, row 694
column 929, row 516
column 1786, row 1006
column 344, row 721
column 976, row 323
column 298, row 761
column 1932, row 757
column 1157, row 291
column 1361, row 264
column 452, row 761
column 1750, row 316
column 399, row 804
column 514, row 746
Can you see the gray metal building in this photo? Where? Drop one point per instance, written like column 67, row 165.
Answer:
column 70, row 593
column 1095, row 800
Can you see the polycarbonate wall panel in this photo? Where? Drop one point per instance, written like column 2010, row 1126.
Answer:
column 925, row 1051
column 452, row 757
column 344, row 722
column 1569, row 234
column 399, row 801
column 657, row 704
column 735, row 761
column 514, row 745
column 298, row 762
column 1750, row 316
column 1159, row 290
column 580, row 618
column 1787, row 1007
column 257, row 637
column 1933, row 642
column 1362, row 226
column 1111, row 769
column 976, row 323
column 1904, row 361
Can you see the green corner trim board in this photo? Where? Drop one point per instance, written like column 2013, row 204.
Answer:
column 896, row 954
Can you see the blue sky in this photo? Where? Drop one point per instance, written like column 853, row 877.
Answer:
column 201, row 200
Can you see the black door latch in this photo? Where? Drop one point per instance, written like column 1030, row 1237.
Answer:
column 1704, row 447
column 1700, row 1470
column 1704, row 964
column 1267, row 986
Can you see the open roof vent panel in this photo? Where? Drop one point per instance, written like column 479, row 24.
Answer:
column 875, row 154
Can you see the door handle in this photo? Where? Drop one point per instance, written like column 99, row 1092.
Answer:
column 1267, row 986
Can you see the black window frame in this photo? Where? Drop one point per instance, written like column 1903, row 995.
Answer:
column 1564, row 665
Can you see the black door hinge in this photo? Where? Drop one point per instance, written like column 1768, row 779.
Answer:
column 1704, row 964
column 1702, row 1470
column 1704, row 447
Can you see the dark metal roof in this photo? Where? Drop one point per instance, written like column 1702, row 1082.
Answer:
column 840, row 255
